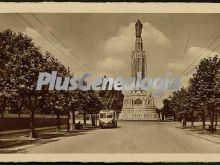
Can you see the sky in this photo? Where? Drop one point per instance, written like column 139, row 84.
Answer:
column 102, row 43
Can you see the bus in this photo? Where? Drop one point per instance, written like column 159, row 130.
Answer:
column 107, row 118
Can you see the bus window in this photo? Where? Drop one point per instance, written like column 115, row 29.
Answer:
column 109, row 115
column 102, row 115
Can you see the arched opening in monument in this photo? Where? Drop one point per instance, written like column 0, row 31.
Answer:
column 138, row 101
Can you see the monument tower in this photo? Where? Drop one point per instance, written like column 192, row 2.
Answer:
column 138, row 105
column 138, row 56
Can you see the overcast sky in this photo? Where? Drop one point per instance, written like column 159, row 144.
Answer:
column 102, row 43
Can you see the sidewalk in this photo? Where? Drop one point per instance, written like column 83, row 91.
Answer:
column 11, row 140
column 15, row 138
column 199, row 133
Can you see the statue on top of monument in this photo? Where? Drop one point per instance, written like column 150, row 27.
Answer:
column 138, row 27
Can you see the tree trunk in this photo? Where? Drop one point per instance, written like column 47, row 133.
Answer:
column 184, row 119
column 68, row 120
column 52, row 119
column 84, row 117
column 159, row 114
column 192, row 119
column 162, row 116
column 93, row 119
column 19, row 112
column 216, row 119
column 32, row 129
column 58, row 120
column 73, row 120
column 3, row 108
column 203, row 119
column 212, row 121
column 96, row 118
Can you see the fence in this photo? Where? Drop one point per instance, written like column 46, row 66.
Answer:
column 13, row 122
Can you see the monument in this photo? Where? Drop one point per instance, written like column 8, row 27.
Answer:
column 138, row 105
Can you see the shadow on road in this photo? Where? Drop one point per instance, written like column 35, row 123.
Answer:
column 17, row 145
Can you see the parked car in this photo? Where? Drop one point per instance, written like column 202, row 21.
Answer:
column 169, row 118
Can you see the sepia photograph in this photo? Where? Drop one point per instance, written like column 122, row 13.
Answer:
column 109, row 83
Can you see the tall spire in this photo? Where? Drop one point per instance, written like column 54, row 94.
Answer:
column 138, row 56
column 138, row 43
column 138, row 27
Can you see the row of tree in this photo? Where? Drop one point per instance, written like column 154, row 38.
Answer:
column 20, row 64
column 201, row 99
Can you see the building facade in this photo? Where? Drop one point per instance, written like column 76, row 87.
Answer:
column 138, row 105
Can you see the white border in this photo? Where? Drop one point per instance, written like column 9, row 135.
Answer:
column 77, row 7
column 110, row 157
column 70, row 7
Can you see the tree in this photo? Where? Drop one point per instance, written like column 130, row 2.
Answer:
column 94, row 106
column 73, row 107
column 20, row 64
column 111, row 100
column 167, row 110
column 180, row 103
column 205, row 83
column 20, row 60
column 194, row 101
column 201, row 97
column 217, row 93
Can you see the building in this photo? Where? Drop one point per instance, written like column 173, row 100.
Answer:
column 138, row 105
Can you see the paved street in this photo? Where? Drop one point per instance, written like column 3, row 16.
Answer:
column 130, row 137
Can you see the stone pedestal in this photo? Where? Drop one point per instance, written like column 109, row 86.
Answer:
column 138, row 106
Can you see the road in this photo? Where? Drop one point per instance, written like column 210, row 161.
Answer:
column 130, row 137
